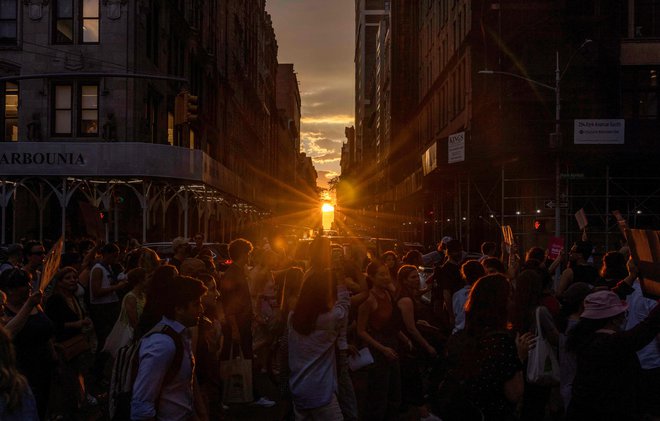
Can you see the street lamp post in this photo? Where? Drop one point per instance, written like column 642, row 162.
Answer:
column 555, row 138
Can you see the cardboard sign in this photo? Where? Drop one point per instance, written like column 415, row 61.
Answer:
column 581, row 218
column 507, row 235
column 645, row 250
column 51, row 264
column 555, row 247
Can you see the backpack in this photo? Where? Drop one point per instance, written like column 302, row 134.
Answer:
column 125, row 369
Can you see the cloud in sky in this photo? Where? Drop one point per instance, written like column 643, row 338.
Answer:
column 317, row 36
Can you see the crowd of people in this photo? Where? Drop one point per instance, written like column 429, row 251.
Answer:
column 344, row 335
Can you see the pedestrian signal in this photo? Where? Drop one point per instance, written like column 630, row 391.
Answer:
column 192, row 107
column 539, row 226
column 104, row 216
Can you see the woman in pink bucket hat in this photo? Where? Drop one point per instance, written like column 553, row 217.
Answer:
column 607, row 364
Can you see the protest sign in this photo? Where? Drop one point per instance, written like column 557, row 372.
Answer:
column 581, row 218
column 645, row 250
column 555, row 247
column 507, row 235
column 51, row 264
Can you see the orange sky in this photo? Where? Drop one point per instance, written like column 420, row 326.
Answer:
column 318, row 37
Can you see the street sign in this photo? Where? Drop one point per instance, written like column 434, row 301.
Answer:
column 599, row 132
column 456, row 148
column 550, row 204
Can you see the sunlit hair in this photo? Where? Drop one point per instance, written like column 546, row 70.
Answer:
column 61, row 274
column 471, row 271
column 149, row 260
column 486, row 307
column 239, row 248
column 206, row 278
column 316, row 298
column 526, row 297
column 413, row 257
column 614, row 266
column 12, row 383
column 536, row 253
column 372, row 270
column 495, row 264
column 402, row 275
column 192, row 266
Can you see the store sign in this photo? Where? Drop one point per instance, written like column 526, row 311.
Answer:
column 40, row 158
column 599, row 132
column 456, row 148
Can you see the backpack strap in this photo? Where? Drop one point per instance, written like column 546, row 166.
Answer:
column 178, row 351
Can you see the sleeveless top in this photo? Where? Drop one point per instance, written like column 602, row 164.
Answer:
column 106, row 282
column 385, row 322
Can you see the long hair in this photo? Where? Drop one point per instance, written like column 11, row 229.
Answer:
column 372, row 269
column 12, row 383
column 393, row 270
column 149, row 261
column 486, row 307
column 402, row 286
column 526, row 297
column 293, row 280
column 319, row 253
column 315, row 298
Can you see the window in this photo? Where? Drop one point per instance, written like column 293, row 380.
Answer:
column 63, row 22
column 75, row 110
column 83, row 25
column 63, row 110
column 90, row 21
column 11, row 112
column 8, row 21
column 89, row 110
column 647, row 18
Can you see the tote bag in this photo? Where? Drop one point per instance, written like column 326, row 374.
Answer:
column 121, row 333
column 237, row 375
column 542, row 363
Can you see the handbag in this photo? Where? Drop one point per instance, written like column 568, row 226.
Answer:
column 237, row 375
column 542, row 363
column 121, row 333
column 74, row 346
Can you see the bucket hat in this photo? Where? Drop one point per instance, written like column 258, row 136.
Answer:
column 602, row 305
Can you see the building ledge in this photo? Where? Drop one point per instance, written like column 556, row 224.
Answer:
column 640, row 52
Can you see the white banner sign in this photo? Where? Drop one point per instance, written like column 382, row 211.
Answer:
column 456, row 148
column 600, row 132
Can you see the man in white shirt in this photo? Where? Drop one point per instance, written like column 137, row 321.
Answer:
column 163, row 388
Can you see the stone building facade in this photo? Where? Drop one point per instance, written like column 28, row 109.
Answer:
column 108, row 73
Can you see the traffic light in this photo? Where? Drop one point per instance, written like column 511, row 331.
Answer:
column 539, row 226
column 185, row 108
column 192, row 105
column 104, row 216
